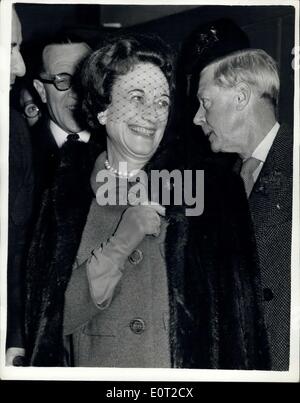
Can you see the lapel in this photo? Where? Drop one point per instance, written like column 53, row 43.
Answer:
column 49, row 138
column 44, row 144
column 45, row 137
column 274, row 179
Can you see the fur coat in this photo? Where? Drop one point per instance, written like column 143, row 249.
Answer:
column 64, row 208
column 215, row 304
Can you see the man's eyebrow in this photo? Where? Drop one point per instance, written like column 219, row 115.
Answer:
column 14, row 44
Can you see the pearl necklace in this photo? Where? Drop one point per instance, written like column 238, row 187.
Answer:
column 116, row 172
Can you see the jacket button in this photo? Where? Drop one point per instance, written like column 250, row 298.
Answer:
column 268, row 294
column 136, row 257
column 137, row 326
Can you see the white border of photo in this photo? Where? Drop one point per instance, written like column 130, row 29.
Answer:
column 140, row 374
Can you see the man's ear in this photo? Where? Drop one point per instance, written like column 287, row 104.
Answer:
column 243, row 95
column 39, row 86
column 102, row 117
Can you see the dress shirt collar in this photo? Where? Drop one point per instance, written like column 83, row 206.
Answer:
column 263, row 148
column 60, row 135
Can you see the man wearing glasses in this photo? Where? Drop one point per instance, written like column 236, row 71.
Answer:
column 54, row 86
column 64, row 155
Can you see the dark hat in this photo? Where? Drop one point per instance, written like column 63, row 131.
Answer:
column 210, row 41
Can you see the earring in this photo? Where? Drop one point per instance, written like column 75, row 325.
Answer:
column 101, row 118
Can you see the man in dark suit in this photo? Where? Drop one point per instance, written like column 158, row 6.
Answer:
column 238, row 96
column 54, row 84
column 20, row 206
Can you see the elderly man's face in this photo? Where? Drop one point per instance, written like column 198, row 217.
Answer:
column 17, row 66
column 218, row 115
column 61, row 58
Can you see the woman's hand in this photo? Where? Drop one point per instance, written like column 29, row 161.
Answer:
column 139, row 221
column 136, row 222
column 107, row 263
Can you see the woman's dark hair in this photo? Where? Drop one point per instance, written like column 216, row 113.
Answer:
column 117, row 56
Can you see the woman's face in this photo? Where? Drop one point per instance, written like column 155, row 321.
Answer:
column 137, row 116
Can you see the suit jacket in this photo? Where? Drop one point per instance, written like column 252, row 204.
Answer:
column 271, row 209
column 21, row 181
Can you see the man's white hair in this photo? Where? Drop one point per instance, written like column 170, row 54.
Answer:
column 253, row 66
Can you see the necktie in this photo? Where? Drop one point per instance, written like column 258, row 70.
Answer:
column 73, row 137
column 246, row 173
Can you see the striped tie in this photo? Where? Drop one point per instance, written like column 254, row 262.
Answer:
column 246, row 173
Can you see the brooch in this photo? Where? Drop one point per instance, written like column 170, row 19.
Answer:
column 271, row 182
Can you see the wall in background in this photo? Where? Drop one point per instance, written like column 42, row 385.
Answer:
column 129, row 15
column 39, row 20
column 268, row 27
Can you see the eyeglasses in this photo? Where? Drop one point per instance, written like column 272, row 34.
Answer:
column 31, row 110
column 62, row 81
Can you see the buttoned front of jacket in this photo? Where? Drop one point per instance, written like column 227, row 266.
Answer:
column 133, row 330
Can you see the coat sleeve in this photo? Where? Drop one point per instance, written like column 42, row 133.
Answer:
column 21, row 183
column 79, row 305
column 96, row 280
